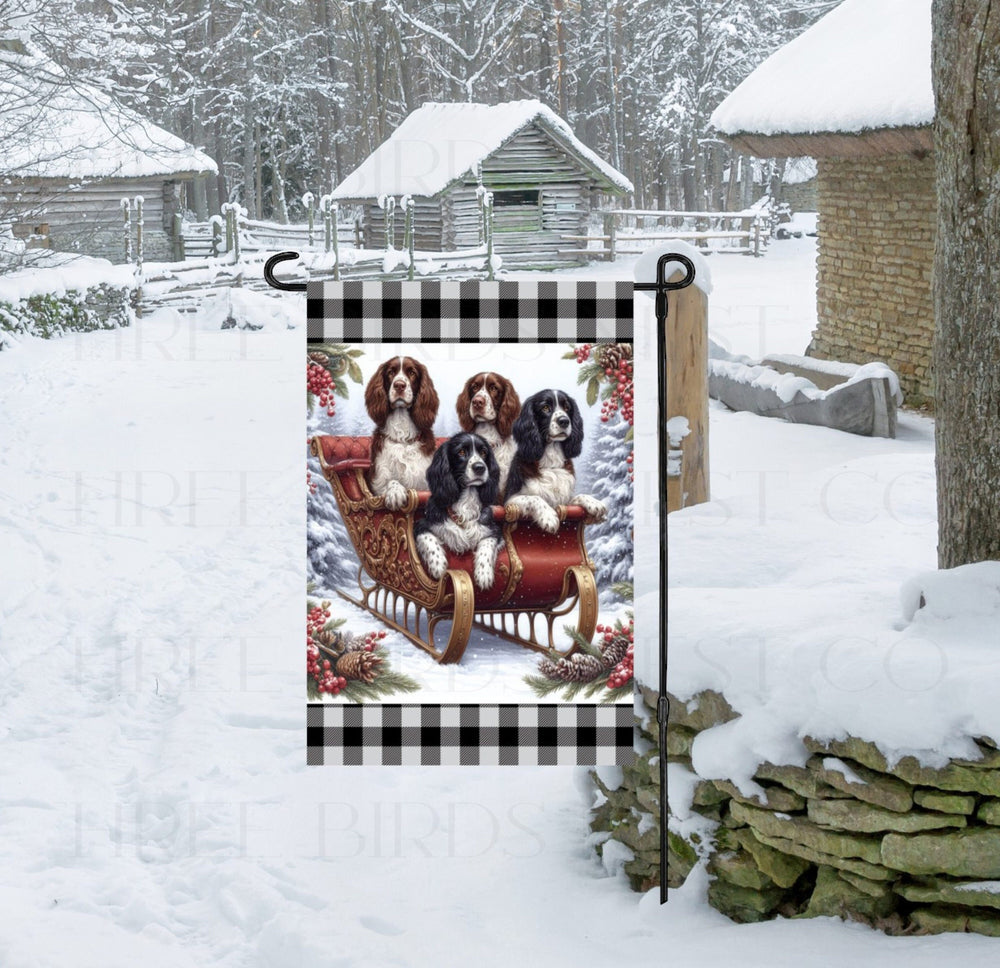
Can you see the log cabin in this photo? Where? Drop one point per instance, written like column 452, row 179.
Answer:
column 544, row 181
column 69, row 154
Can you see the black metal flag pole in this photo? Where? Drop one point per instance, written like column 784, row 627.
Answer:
column 274, row 281
column 661, row 287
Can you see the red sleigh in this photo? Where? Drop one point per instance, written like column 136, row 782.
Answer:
column 540, row 577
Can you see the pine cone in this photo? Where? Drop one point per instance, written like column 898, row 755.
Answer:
column 575, row 668
column 359, row 665
column 611, row 354
column 318, row 356
column 614, row 651
column 353, row 643
column 332, row 639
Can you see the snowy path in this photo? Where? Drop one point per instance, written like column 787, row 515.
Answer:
column 155, row 807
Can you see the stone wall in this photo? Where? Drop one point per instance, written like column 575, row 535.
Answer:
column 876, row 252
column 901, row 847
column 47, row 315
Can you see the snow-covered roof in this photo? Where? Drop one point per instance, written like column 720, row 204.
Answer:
column 866, row 65
column 52, row 126
column 442, row 142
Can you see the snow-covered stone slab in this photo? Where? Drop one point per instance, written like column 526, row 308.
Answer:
column 856, row 399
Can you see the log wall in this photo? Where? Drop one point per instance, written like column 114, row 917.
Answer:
column 87, row 218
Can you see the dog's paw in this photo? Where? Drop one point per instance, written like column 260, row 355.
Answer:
column 395, row 495
column 484, row 568
column 432, row 555
column 546, row 517
column 595, row 509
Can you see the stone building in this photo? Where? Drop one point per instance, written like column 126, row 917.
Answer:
column 69, row 154
column 854, row 92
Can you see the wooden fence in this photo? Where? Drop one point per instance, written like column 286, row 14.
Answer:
column 629, row 231
column 233, row 250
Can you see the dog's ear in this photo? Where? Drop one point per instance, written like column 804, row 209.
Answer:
column 573, row 444
column 530, row 445
column 490, row 491
column 510, row 407
column 376, row 398
column 462, row 405
column 440, row 478
column 425, row 406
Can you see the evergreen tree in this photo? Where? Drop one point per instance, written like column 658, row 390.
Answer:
column 610, row 543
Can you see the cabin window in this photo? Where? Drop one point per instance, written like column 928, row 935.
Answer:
column 517, row 210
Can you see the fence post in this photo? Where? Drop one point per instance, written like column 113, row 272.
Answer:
column 756, row 237
column 609, row 231
column 178, row 237
column 324, row 211
column 334, row 237
column 307, row 201
column 226, row 209
column 687, row 395
column 234, row 215
column 127, row 216
column 407, row 202
column 216, row 236
column 139, row 200
column 357, row 232
column 488, row 222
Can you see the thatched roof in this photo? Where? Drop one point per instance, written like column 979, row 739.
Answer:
column 856, row 83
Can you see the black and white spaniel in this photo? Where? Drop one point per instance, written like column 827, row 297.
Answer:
column 464, row 481
column 401, row 400
column 488, row 405
column 549, row 434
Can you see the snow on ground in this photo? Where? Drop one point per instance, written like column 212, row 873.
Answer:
column 155, row 806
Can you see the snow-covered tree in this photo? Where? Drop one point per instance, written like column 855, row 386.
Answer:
column 609, row 468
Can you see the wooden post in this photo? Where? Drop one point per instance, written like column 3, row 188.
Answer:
column 324, row 211
column 234, row 215
column 216, row 238
column 609, row 231
column 357, row 233
column 127, row 216
column 488, row 222
column 307, row 200
column 334, row 215
column 687, row 393
column 756, row 237
column 408, row 235
column 227, row 211
column 178, row 237
column 139, row 201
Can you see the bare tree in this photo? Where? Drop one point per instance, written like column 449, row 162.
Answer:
column 966, row 58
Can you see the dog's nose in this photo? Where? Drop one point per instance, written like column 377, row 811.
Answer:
column 562, row 421
column 399, row 386
column 478, row 403
column 477, row 467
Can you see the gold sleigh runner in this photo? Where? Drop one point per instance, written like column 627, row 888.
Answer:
column 540, row 577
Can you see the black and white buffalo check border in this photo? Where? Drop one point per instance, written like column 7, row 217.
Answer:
column 469, row 735
column 470, row 311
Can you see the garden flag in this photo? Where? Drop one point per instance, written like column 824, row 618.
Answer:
column 470, row 523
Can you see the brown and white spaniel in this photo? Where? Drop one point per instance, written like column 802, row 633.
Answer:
column 401, row 400
column 488, row 405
